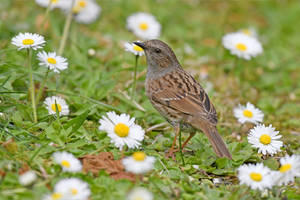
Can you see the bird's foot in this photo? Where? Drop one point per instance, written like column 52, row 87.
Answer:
column 171, row 154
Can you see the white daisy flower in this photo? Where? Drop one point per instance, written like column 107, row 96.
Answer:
column 248, row 113
column 133, row 48
column 139, row 193
column 28, row 40
column 52, row 61
column 61, row 104
column 256, row 176
column 85, row 11
column 122, row 130
column 138, row 163
column 144, row 26
column 249, row 31
column 242, row 45
column 54, row 196
column 265, row 139
column 54, row 3
column 27, row 178
column 72, row 189
column 289, row 169
column 67, row 161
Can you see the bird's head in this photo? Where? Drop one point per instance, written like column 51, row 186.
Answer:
column 159, row 55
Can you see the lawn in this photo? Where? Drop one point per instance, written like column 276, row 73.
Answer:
column 99, row 80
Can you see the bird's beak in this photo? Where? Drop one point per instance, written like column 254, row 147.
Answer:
column 140, row 44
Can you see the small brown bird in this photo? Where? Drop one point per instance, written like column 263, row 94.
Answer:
column 179, row 97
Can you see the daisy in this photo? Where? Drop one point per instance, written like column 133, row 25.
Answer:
column 27, row 178
column 52, row 61
column 138, row 163
column 72, row 189
column 67, row 161
column 256, row 176
column 54, row 3
column 248, row 113
column 61, row 104
column 54, row 196
column 242, row 45
column 133, row 48
column 139, row 193
column 28, row 40
column 85, row 11
column 144, row 26
column 122, row 130
column 289, row 169
column 265, row 139
column 248, row 31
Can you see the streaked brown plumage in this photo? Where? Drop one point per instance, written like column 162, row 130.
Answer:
column 179, row 97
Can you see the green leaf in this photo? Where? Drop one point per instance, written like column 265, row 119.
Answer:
column 77, row 121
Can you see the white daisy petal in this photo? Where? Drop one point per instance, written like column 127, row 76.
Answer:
column 265, row 139
column 61, row 104
column 28, row 40
column 67, row 161
column 249, row 32
column 72, row 189
column 248, row 113
column 289, row 169
column 242, row 45
column 144, row 26
column 85, row 11
column 54, row 3
column 139, row 194
column 256, row 176
column 52, row 61
column 122, row 130
column 133, row 48
column 138, row 163
column 27, row 178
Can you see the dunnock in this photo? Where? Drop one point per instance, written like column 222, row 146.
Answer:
column 179, row 97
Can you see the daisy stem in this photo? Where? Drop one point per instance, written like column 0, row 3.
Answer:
column 46, row 15
column 180, row 149
column 40, row 91
column 134, row 77
column 66, row 30
column 32, row 90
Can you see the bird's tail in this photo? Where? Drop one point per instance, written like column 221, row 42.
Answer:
column 215, row 139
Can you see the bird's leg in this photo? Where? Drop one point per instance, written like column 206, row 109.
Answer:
column 186, row 141
column 171, row 150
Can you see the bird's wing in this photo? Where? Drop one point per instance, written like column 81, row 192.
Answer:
column 186, row 96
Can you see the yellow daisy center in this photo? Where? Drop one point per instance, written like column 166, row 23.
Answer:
column 241, row 47
column 80, row 5
column 144, row 26
column 137, row 48
column 65, row 163
column 53, row 107
column 246, row 31
column 74, row 191
column 285, row 168
column 28, row 41
column 265, row 139
column 248, row 113
column 121, row 130
column 54, row 1
column 139, row 156
column 56, row 196
column 51, row 60
column 256, row 176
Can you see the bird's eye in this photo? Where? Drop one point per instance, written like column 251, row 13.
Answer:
column 157, row 50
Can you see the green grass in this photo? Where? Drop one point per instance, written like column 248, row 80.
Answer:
column 93, row 85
